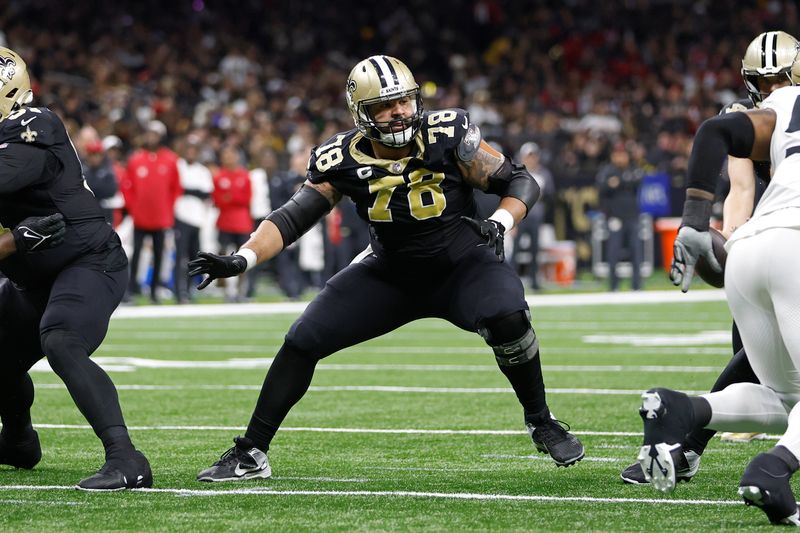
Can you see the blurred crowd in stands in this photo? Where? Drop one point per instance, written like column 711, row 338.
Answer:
column 203, row 112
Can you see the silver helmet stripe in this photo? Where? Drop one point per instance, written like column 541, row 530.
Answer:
column 385, row 70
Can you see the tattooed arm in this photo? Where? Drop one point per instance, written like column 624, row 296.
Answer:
column 488, row 168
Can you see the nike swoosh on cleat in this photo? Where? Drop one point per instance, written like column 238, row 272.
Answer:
column 240, row 472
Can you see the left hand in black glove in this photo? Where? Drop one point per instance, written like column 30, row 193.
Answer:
column 39, row 233
column 216, row 266
column 490, row 231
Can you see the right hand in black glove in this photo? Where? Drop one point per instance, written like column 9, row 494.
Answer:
column 39, row 233
column 490, row 231
column 216, row 266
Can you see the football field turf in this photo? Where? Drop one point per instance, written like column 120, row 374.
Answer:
column 414, row 431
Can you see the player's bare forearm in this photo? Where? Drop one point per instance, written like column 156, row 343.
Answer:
column 7, row 245
column 514, row 206
column 738, row 206
column 265, row 241
column 485, row 163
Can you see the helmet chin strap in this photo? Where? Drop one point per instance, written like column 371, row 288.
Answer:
column 397, row 139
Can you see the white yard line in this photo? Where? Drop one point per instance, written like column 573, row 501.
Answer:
column 547, row 300
column 130, row 364
column 378, row 388
column 403, row 431
column 268, row 491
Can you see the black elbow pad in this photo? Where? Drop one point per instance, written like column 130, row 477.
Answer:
column 299, row 214
column 514, row 180
column 720, row 136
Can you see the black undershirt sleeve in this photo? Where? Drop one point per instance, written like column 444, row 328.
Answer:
column 720, row 136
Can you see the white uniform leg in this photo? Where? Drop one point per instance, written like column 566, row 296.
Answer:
column 791, row 439
column 764, row 297
column 747, row 407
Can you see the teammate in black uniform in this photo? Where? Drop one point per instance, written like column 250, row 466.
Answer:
column 411, row 175
column 770, row 62
column 56, row 301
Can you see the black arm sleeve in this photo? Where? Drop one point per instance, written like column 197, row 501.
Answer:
column 20, row 166
column 720, row 136
column 299, row 214
column 513, row 179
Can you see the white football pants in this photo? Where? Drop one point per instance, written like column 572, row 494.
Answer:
column 762, row 284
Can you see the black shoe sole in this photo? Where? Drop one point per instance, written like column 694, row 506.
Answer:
column 566, row 463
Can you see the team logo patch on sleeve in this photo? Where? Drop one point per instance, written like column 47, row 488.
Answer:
column 29, row 135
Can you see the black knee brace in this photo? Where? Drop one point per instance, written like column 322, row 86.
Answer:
column 511, row 337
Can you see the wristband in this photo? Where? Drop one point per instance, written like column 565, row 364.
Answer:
column 696, row 214
column 249, row 256
column 504, row 218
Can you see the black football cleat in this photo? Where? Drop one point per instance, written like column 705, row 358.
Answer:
column 684, row 470
column 552, row 438
column 132, row 472
column 765, row 484
column 25, row 452
column 242, row 461
column 666, row 415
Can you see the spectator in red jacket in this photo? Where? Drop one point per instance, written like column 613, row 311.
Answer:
column 152, row 184
column 232, row 194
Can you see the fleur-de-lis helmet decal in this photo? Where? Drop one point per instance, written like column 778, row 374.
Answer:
column 15, row 85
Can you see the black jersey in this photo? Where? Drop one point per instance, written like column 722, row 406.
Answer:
column 40, row 174
column 413, row 205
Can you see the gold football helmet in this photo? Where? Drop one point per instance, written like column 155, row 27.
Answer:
column 15, row 85
column 380, row 79
column 771, row 54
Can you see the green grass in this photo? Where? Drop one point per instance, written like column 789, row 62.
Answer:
column 388, row 481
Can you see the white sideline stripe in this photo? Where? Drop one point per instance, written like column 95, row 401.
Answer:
column 266, row 491
column 378, row 388
column 545, row 300
column 405, row 431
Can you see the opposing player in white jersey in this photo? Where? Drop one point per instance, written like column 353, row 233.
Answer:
column 763, row 291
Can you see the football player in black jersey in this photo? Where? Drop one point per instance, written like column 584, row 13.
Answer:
column 770, row 62
column 56, row 300
column 411, row 176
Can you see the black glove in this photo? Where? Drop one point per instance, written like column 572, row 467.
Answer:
column 39, row 233
column 491, row 231
column 216, row 266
